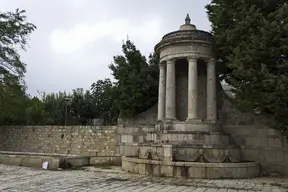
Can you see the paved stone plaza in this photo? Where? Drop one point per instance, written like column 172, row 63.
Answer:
column 15, row 178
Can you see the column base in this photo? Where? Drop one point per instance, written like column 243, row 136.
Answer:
column 170, row 119
column 196, row 120
column 212, row 121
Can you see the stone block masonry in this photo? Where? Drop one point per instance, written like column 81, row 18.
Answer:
column 257, row 141
column 97, row 142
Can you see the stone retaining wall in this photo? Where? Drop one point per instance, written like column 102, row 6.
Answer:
column 97, row 142
column 257, row 141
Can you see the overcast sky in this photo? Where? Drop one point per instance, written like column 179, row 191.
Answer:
column 76, row 40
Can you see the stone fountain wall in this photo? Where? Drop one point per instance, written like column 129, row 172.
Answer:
column 257, row 141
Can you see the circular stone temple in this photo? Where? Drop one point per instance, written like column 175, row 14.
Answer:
column 188, row 140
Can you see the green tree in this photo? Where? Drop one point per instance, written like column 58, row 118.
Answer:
column 137, row 84
column 82, row 107
column 55, row 104
column 35, row 113
column 13, row 102
column 104, row 97
column 252, row 49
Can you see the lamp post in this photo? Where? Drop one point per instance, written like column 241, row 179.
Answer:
column 67, row 99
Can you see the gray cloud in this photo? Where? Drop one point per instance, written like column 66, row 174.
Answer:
column 76, row 39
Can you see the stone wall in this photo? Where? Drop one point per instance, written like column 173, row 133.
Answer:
column 94, row 141
column 258, row 142
column 147, row 117
column 129, row 136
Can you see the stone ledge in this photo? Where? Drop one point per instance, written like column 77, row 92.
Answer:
column 258, row 148
column 37, row 154
column 37, row 159
column 196, row 127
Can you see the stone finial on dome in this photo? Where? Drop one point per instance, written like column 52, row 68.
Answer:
column 187, row 25
column 187, row 20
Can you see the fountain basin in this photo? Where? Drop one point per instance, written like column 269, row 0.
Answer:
column 197, row 170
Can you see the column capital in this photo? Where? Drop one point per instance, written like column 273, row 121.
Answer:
column 162, row 65
column 170, row 61
column 210, row 60
column 192, row 59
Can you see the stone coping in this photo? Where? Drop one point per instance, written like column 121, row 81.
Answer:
column 190, row 164
column 38, row 154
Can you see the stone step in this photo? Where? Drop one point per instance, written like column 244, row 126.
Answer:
column 189, row 126
column 207, row 138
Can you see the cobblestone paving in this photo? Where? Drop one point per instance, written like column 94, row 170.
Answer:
column 14, row 178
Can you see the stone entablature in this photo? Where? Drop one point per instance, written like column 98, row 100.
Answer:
column 185, row 50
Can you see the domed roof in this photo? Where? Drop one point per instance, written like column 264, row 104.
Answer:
column 187, row 33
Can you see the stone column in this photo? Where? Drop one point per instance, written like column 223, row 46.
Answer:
column 211, row 91
column 170, row 90
column 192, row 89
column 162, row 90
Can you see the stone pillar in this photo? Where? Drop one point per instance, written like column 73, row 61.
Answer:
column 192, row 89
column 162, row 90
column 211, row 91
column 170, row 90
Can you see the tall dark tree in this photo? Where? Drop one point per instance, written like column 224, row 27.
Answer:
column 252, row 50
column 136, row 80
column 14, row 33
